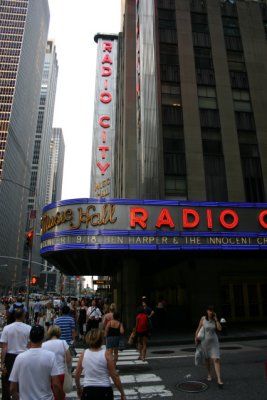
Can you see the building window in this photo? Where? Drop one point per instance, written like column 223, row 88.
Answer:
column 167, row 35
column 209, row 118
column 171, row 95
column 172, row 115
column 244, row 121
column 207, row 97
column 216, row 186
column 241, row 100
column 252, row 172
column 175, row 187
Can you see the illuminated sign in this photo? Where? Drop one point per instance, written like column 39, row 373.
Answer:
column 105, row 113
column 164, row 225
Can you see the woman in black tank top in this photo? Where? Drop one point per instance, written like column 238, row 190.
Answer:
column 113, row 331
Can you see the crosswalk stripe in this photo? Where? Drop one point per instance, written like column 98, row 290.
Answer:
column 136, row 386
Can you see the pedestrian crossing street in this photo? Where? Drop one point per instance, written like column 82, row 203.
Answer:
column 137, row 385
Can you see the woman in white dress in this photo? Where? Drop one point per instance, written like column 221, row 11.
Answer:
column 210, row 343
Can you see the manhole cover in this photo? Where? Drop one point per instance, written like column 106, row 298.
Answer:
column 192, row 386
column 163, row 352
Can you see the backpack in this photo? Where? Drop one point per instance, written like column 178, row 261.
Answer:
column 11, row 316
column 142, row 323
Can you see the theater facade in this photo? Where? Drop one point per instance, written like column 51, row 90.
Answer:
column 189, row 253
column 179, row 118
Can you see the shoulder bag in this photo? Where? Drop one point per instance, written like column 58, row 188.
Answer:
column 68, row 384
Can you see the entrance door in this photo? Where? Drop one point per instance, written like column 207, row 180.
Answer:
column 244, row 300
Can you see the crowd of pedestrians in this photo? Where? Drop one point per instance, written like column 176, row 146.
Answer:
column 42, row 339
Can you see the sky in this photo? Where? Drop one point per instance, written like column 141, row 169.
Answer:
column 73, row 25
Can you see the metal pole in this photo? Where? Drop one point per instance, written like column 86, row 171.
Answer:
column 29, row 274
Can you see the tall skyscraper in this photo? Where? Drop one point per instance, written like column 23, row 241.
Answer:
column 189, row 219
column 197, row 127
column 24, row 27
column 41, row 151
column 56, row 165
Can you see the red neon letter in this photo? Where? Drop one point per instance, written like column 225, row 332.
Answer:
column 103, row 167
column 107, row 59
column 104, row 137
column 102, row 123
column 262, row 215
column 105, row 97
column 106, row 70
column 164, row 219
column 225, row 224
column 107, row 46
column 103, row 150
column 193, row 213
column 209, row 219
column 138, row 219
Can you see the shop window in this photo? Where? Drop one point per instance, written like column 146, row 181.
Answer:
column 239, row 306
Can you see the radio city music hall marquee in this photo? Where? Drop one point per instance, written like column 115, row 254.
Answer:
column 153, row 225
column 104, row 120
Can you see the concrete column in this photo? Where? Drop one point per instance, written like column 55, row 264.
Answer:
column 129, row 289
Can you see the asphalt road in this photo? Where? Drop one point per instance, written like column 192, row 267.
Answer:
column 243, row 371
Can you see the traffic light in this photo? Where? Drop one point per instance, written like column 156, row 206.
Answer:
column 34, row 280
column 29, row 239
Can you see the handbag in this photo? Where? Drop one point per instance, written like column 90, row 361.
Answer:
column 199, row 355
column 68, row 384
column 201, row 334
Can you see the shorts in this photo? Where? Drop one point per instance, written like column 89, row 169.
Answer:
column 97, row 393
column 112, row 342
column 142, row 334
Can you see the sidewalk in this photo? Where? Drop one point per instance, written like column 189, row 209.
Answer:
column 236, row 332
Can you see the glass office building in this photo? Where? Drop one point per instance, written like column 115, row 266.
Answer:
column 24, row 27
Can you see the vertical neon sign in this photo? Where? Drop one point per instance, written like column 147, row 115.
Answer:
column 105, row 117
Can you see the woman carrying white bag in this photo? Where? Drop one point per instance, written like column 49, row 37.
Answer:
column 207, row 337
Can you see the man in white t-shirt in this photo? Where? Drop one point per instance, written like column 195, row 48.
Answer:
column 14, row 340
column 34, row 371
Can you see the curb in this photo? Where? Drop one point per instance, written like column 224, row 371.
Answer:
column 222, row 339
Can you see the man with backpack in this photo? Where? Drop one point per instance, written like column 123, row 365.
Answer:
column 18, row 305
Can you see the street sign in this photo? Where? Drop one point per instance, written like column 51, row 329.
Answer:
column 101, row 282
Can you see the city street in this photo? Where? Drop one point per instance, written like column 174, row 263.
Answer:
column 243, row 372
